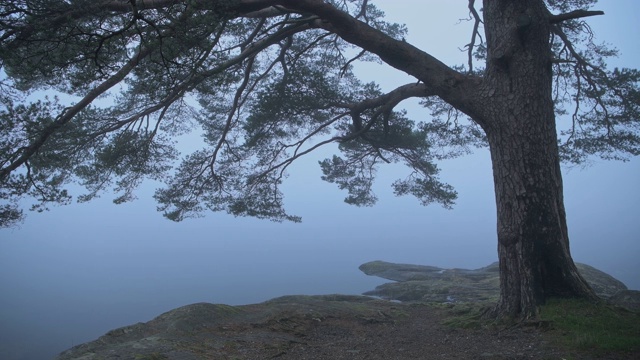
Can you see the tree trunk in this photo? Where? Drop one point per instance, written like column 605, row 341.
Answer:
column 533, row 243
column 519, row 119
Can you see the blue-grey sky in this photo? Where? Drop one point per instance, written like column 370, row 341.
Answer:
column 71, row 274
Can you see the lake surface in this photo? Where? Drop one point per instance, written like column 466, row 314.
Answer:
column 70, row 275
column 52, row 299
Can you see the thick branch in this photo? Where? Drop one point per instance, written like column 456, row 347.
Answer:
column 576, row 14
column 445, row 82
column 395, row 96
column 385, row 103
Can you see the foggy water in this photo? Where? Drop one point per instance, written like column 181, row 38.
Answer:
column 70, row 275
column 60, row 293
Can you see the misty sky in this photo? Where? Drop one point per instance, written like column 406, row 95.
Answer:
column 71, row 274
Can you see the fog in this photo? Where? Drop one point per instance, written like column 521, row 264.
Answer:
column 69, row 275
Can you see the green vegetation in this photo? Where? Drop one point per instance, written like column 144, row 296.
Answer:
column 468, row 315
column 576, row 325
column 596, row 327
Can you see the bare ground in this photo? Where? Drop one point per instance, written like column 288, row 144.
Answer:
column 419, row 334
column 406, row 331
column 324, row 328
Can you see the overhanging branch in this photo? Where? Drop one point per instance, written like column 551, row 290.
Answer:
column 447, row 83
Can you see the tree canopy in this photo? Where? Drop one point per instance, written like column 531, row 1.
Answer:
column 265, row 82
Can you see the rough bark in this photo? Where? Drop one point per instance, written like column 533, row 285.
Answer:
column 533, row 241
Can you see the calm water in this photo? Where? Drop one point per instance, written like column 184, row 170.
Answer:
column 70, row 275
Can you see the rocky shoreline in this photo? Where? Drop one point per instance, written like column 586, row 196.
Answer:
column 288, row 325
column 433, row 284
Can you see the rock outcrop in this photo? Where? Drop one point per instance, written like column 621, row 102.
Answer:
column 275, row 328
column 629, row 299
column 434, row 284
column 215, row 331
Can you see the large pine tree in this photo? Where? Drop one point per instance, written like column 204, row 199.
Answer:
column 268, row 81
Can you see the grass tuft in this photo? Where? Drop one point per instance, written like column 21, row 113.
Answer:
column 596, row 327
column 467, row 316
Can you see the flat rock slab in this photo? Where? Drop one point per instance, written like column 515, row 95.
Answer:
column 433, row 284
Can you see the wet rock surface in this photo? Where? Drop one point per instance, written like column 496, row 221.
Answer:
column 434, row 284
